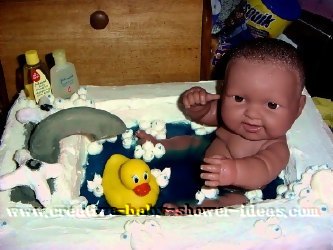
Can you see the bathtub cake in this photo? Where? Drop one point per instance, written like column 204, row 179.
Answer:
column 58, row 203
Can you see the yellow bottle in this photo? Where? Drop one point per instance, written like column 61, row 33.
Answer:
column 36, row 82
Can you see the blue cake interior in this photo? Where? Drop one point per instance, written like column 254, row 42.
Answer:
column 185, row 168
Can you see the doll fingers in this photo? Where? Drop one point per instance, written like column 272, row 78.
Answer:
column 210, row 168
column 186, row 101
column 212, row 161
column 209, row 176
column 212, row 97
column 198, row 97
column 202, row 97
column 191, row 98
column 212, row 183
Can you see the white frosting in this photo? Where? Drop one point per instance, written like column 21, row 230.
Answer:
column 268, row 229
column 148, row 155
column 95, row 185
column 127, row 134
column 200, row 197
column 82, row 91
column 95, row 148
column 112, row 139
column 148, row 151
column 206, row 192
column 201, row 130
column 138, row 152
column 144, row 124
column 21, row 156
column 254, row 196
column 36, row 179
column 322, row 186
column 232, row 228
column 34, row 115
column 127, row 142
column 148, row 146
column 156, row 128
column 162, row 177
column 142, row 235
column 159, row 150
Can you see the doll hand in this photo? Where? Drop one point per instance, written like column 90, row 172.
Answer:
column 197, row 95
column 219, row 171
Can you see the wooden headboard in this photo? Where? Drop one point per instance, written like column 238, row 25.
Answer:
column 144, row 41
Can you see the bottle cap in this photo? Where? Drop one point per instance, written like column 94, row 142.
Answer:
column 31, row 57
column 59, row 56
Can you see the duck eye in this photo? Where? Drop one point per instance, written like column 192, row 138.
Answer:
column 135, row 178
column 238, row 98
column 145, row 175
column 272, row 105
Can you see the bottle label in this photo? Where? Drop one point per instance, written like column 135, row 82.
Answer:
column 67, row 83
column 41, row 85
column 262, row 21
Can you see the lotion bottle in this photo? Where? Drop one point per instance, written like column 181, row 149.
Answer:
column 64, row 80
column 36, row 77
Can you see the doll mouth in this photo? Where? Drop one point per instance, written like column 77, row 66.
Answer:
column 251, row 128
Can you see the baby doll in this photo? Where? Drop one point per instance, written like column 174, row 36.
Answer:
column 260, row 99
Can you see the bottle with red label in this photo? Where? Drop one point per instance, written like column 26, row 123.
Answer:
column 64, row 81
column 36, row 77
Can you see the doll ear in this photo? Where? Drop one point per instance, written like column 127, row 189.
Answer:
column 301, row 104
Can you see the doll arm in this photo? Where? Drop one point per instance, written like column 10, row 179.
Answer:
column 249, row 172
column 199, row 106
column 259, row 170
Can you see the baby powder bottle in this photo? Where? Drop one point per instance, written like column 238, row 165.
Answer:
column 36, row 82
column 64, row 80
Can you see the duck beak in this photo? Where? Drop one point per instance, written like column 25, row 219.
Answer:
column 142, row 189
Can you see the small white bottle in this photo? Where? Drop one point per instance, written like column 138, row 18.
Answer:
column 64, row 80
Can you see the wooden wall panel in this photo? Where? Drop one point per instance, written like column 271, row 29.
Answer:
column 144, row 42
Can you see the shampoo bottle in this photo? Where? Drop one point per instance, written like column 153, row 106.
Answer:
column 36, row 77
column 64, row 80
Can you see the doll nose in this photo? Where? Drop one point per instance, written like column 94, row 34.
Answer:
column 252, row 112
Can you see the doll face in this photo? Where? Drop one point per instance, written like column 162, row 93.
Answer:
column 261, row 100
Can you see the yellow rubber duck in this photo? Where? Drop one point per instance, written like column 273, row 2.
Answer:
column 129, row 185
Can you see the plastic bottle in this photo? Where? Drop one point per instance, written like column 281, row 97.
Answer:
column 64, row 80
column 269, row 18
column 36, row 77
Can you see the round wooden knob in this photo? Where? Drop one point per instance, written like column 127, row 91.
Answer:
column 99, row 19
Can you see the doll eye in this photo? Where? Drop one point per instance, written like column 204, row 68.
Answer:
column 238, row 98
column 273, row 105
column 324, row 208
column 145, row 176
column 124, row 236
column 290, row 195
column 135, row 178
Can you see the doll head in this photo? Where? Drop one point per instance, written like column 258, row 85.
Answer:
column 262, row 95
